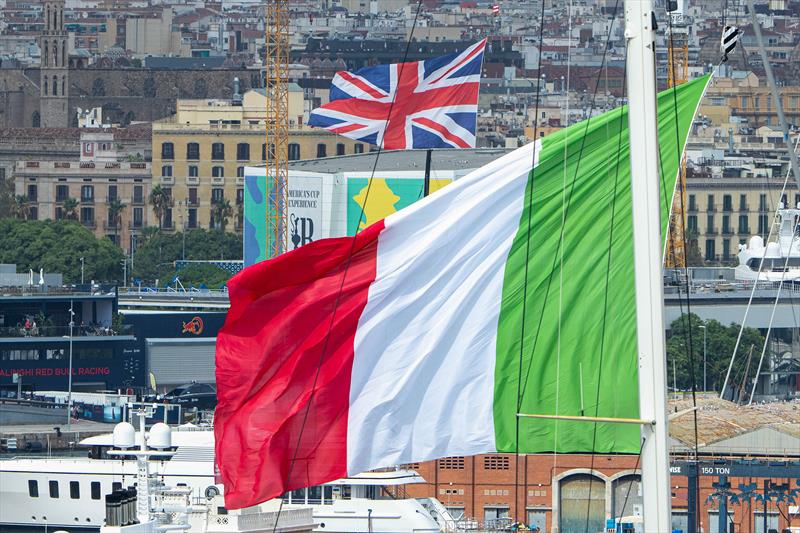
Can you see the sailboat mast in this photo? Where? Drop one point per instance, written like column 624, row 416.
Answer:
column 647, row 239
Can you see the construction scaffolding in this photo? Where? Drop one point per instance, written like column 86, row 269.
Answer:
column 276, row 77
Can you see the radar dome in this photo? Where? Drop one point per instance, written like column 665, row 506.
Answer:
column 756, row 242
column 124, row 436
column 160, row 436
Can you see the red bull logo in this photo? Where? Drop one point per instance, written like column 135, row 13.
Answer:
column 194, row 326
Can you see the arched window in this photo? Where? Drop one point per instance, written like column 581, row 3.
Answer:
column 55, row 54
column 63, row 86
column 49, row 20
column 167, row 150
column 55, row 85
column 45, row 57
column 193, row 151
column 582, row 503
column 63, row 55
column 322, row 150
column 218, row 151
column 294, row 151
column 243, row 152
column 44, row 86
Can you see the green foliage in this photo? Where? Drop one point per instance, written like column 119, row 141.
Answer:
column 160, row 200
column 197, row 274
column 57, row 246
column 157, row 252
column 70, row 209
column 6, row 197
column 222, row 211
column 720, row 341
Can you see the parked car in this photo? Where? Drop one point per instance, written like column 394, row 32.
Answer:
column 199, row 395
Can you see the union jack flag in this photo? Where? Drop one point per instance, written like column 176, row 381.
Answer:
column 423, row 104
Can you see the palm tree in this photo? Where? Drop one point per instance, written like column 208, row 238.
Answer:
column 239, row 217
column 221, row 210
column 20, row 208
column 115, row 209
column 160, row 200
column 70, row 209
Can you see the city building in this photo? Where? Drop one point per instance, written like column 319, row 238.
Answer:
column 199, row 154
column 54, row 71
column 112, row 166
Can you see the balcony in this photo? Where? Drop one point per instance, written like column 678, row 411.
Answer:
column 137, row 201
column 711, row 231
column 192, row 180
column 727, row 231
column 91, row 224
column 135, row 225
column 168, row 180
column 744, row 208
column 711, row 209
column 192, row 202
column 218, row 181
column 87, row 200
column 111, row 226
column 744, row 231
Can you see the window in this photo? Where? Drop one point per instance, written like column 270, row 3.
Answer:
column 495, row 462
column 239, row 196
column 243, row 152
column 167, row 192
column 112, row 193
column 742, row 202
column 743, row 225
column 193, row 171
column 87, row 193
column 762, row 202
column 264, row 152
column 168, row 218
column 32, row 193
column 240, row 172
column 710, row 224
column 217, row 172
column 451, row 463
column 758, row 520
column 692, row 203
column 60, row 213
column 111, row 221
column 495, row 517
column 322, row 150
column 691, row 224
column 726, row 249
column 62, row 192
column 339, row 148
column 192, row 195
column 218, row 151
column 727, row 203
column 192, row 223
column 359, row 149
column 726, row 225
column 763, row 225
column 193, row 152
column 95, row 487
column 87, row 216
column 138, row 196
column 137, row 217
column 166, row 171
column 74, row 490
column 53, row 488
column 710, row 250
column 33, row 488
column 167, row 151
column 710, row 202
column 294, row 151
column 217, row 194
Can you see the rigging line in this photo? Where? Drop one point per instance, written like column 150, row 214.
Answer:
column 569, row 201
column 688, row 337
column 607, row 283
column 635, row 468
column 347, row 266
column 529, row 207
column 755, row 283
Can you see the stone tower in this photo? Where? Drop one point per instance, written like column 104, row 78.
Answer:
column 54, row 78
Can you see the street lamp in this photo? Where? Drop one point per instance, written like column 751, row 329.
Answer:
column 69, row 381
column 705, row 388
column 81, row 274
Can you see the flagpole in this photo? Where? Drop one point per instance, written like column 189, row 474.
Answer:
column 427, row 183
column 647, row 238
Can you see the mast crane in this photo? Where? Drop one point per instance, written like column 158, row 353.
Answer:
column 677, row 73
column 276, row 79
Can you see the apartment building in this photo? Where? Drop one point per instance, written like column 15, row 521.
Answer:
column 199, row 154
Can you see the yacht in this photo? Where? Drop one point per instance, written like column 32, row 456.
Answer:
column 781, row 257
column 69, row 492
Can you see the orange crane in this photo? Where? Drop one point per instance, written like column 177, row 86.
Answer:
column 677, row 73
column 276, row 82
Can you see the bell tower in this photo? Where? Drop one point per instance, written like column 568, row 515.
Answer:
column 54, row 78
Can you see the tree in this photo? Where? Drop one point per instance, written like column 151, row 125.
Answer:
column 239, row 217
column 31, row 245
column 155, row 256
column 115, row 209
column 160, row 200
column 720, row 340
column 221, row 211
column 6, row 197
column 203, row 274
column 70, row 209
column 20, row 208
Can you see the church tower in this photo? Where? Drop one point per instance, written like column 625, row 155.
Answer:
column 54, row 78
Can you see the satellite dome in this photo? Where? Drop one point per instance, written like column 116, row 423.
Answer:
column 124, row 436
column 160, row 436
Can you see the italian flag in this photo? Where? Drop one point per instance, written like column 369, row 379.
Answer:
column 509, row 291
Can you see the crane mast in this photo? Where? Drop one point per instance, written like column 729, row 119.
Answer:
column 276, row 78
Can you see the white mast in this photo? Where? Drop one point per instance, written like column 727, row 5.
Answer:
column 647, row 238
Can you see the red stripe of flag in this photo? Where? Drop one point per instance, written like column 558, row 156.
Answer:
column 268, row 354
column 441, row 130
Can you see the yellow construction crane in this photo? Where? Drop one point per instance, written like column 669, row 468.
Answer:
column 677, row 73
column 276, row 79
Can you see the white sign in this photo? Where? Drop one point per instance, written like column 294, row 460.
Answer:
column 305, row 210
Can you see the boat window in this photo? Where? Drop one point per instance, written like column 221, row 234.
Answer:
column 347, row 492
column 314, row 495
column 299, row 496
column 74, row 490
column 53, row 489
column 285, row 497
column 327, row 492
column 372, row 492
column 116, row 485
column 95, row 486
column 33, row 488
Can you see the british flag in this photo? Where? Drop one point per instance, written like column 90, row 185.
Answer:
column 424, row 104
